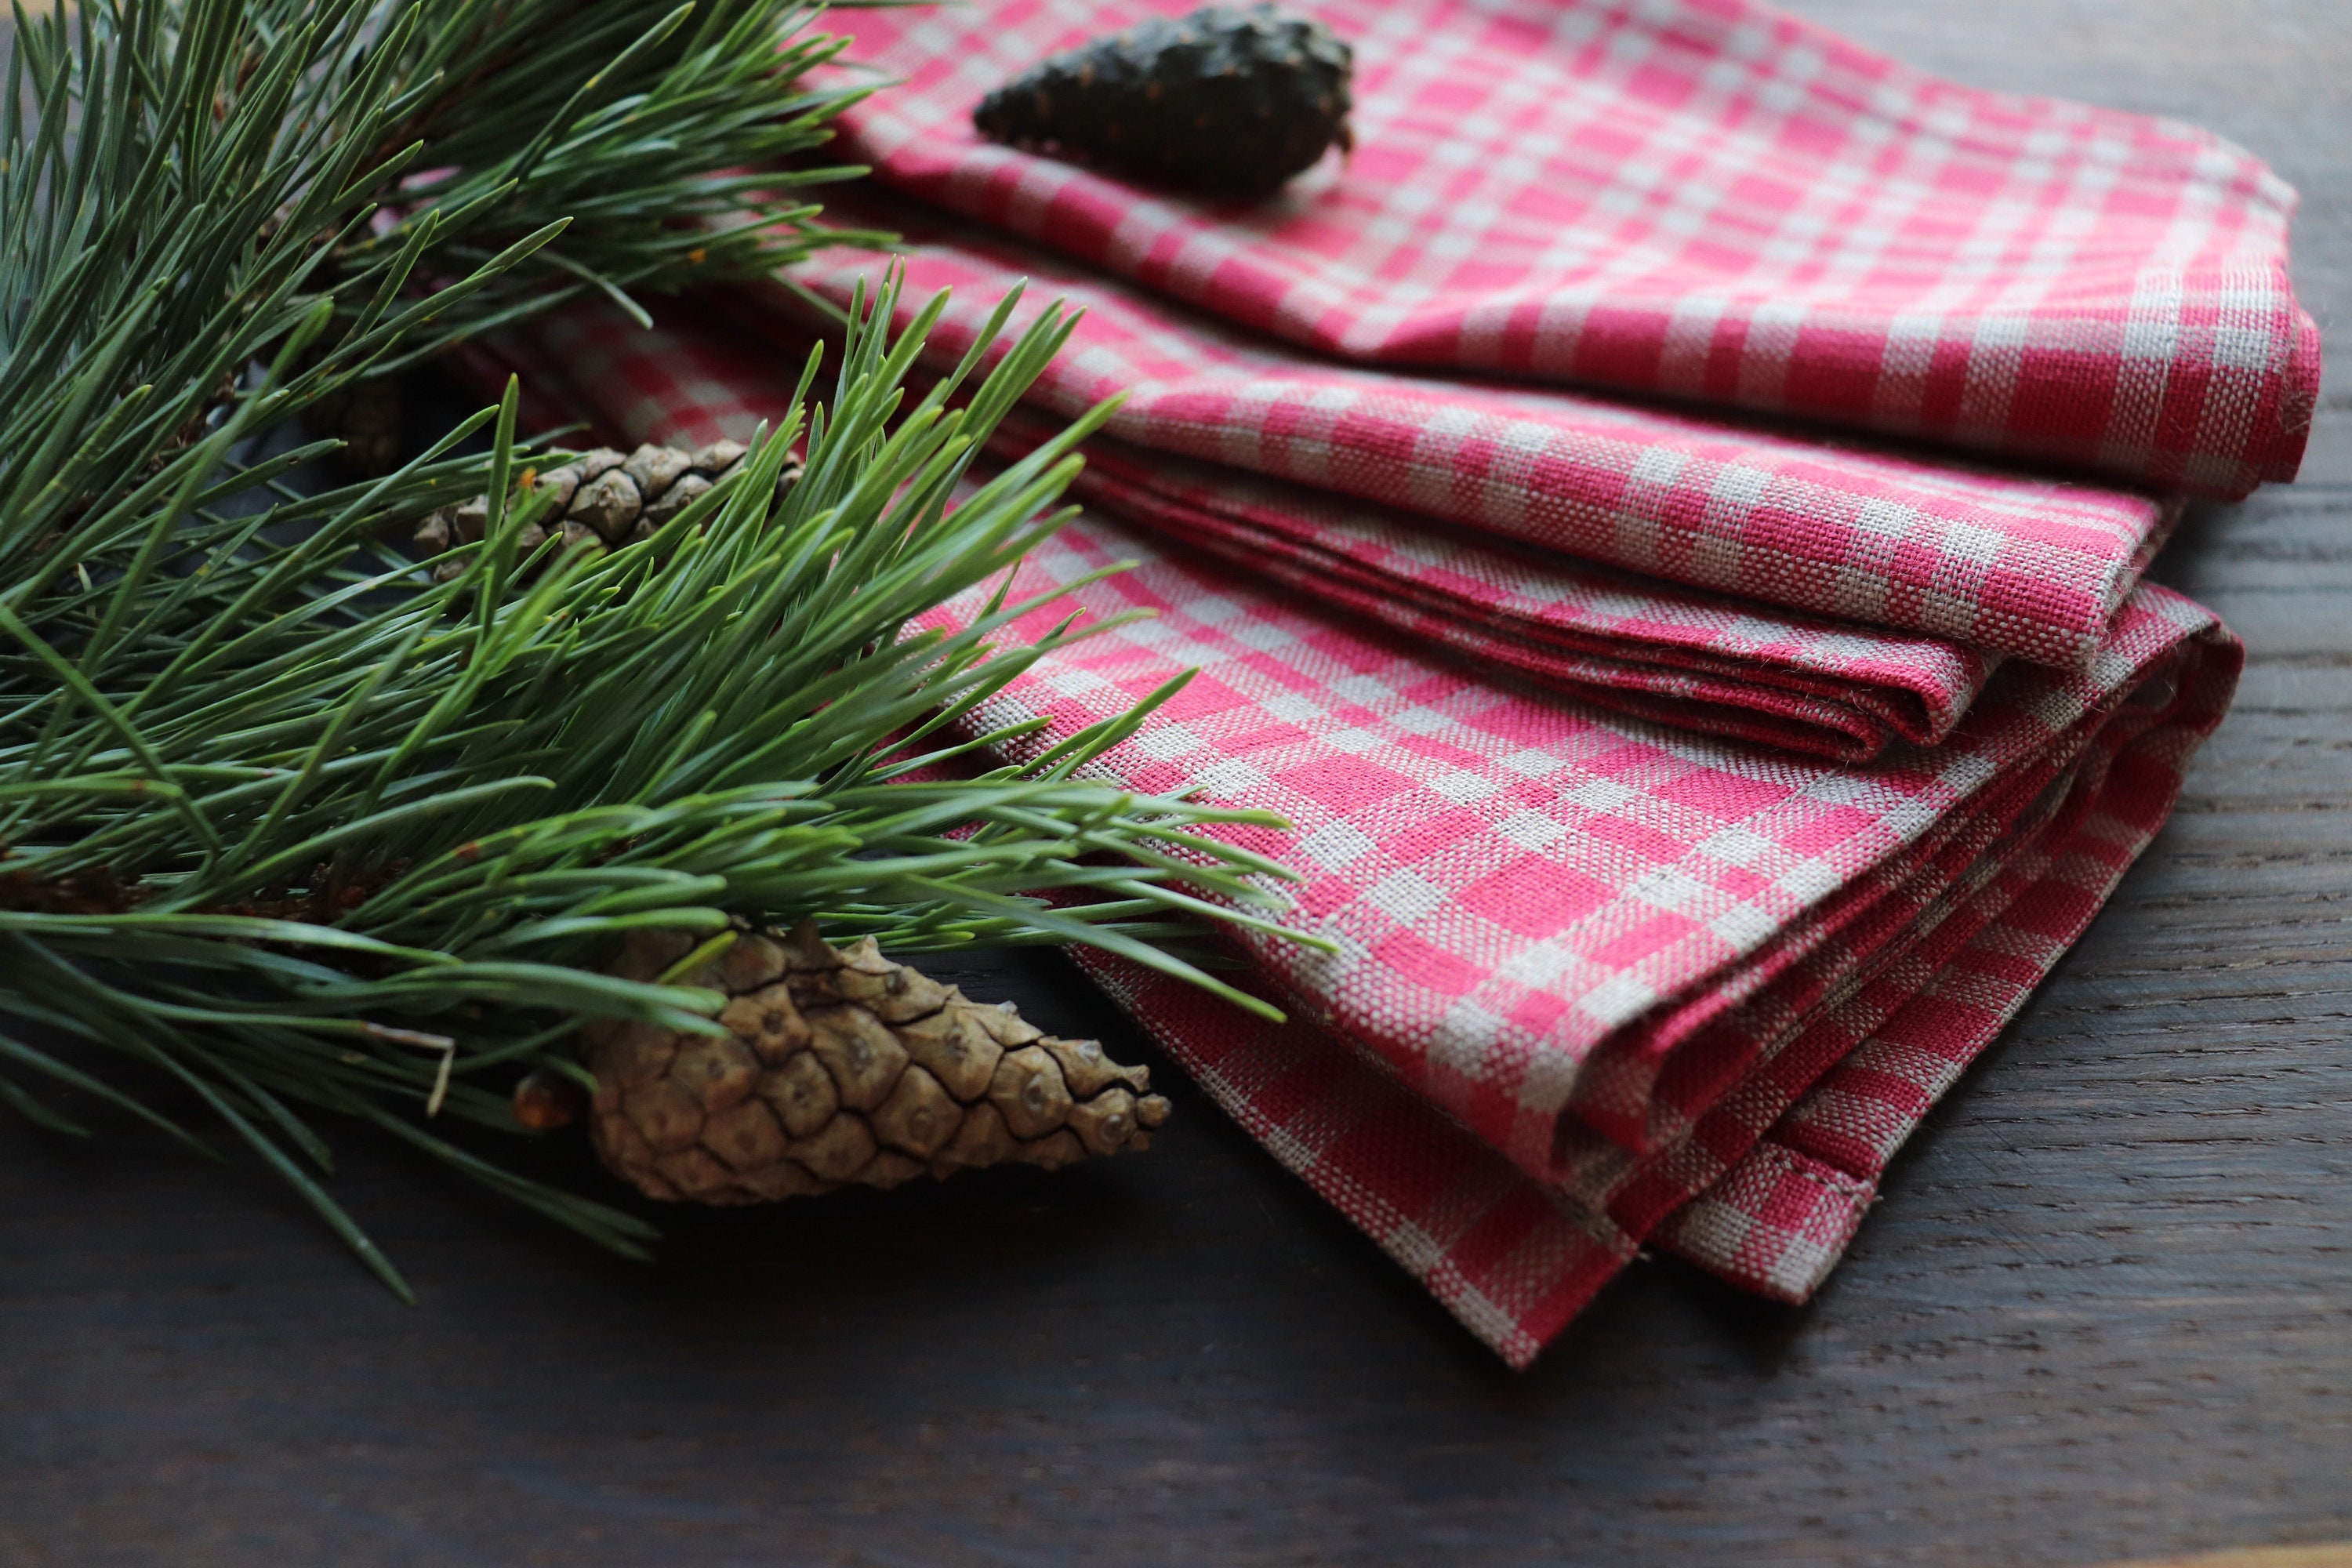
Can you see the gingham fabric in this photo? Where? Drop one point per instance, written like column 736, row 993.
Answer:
column 1598, row 981
column 1572, row 933
column 1707, row 199
column 1695, row 660
column 2011, row 564
column 1750, row 671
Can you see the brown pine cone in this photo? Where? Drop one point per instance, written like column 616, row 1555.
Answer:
column 841, row 1066
column 599, row 498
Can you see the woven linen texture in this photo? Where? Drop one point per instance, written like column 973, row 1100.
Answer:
column 2025, row 566
column 1598, row 981
column 1707, row 199
column 1696, row 660
column 1440, row 807
column 1656, row 650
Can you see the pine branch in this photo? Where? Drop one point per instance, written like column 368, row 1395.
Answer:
column 302, row 830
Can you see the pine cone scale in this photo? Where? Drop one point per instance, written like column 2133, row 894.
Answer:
column 1029, row 1093
column 747, row 1137
column 801, row 1093
column 919, row 1116
column 839, row 1148
column 954, row 1050
column 858, row 1049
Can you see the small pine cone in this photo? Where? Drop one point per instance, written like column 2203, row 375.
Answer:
column 599, row 498
column 1227, row 100
column 840, row 1066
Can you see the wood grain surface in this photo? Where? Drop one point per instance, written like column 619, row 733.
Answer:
column 2104, row 1310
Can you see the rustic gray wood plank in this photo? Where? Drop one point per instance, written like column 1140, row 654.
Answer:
column 2104, row 1310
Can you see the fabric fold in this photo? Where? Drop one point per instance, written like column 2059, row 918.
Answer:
column 1702, row 199
column 2018, row 564
column 1511, row 881
column 1654, row 650
column 1573, row 933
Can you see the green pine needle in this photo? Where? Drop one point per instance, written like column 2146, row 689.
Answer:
column 302, row 830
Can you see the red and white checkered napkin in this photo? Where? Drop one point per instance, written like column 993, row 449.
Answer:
column 1598, row 983
column 2005, row 563
column 1675, row 654
column 1703, row 198
column 1596, row 980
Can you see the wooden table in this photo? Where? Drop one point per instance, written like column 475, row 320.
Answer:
column 2104, row 1310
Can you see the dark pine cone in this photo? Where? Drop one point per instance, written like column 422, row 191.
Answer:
column 1225, row 100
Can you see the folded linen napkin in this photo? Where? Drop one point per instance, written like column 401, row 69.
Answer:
column 1656, row 650
column 1598, row 980
column 1703, row 198
column 1679, row 656
column 2006, row 562
column 1957, row 566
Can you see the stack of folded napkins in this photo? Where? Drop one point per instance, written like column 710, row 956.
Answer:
column 1664, row 521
